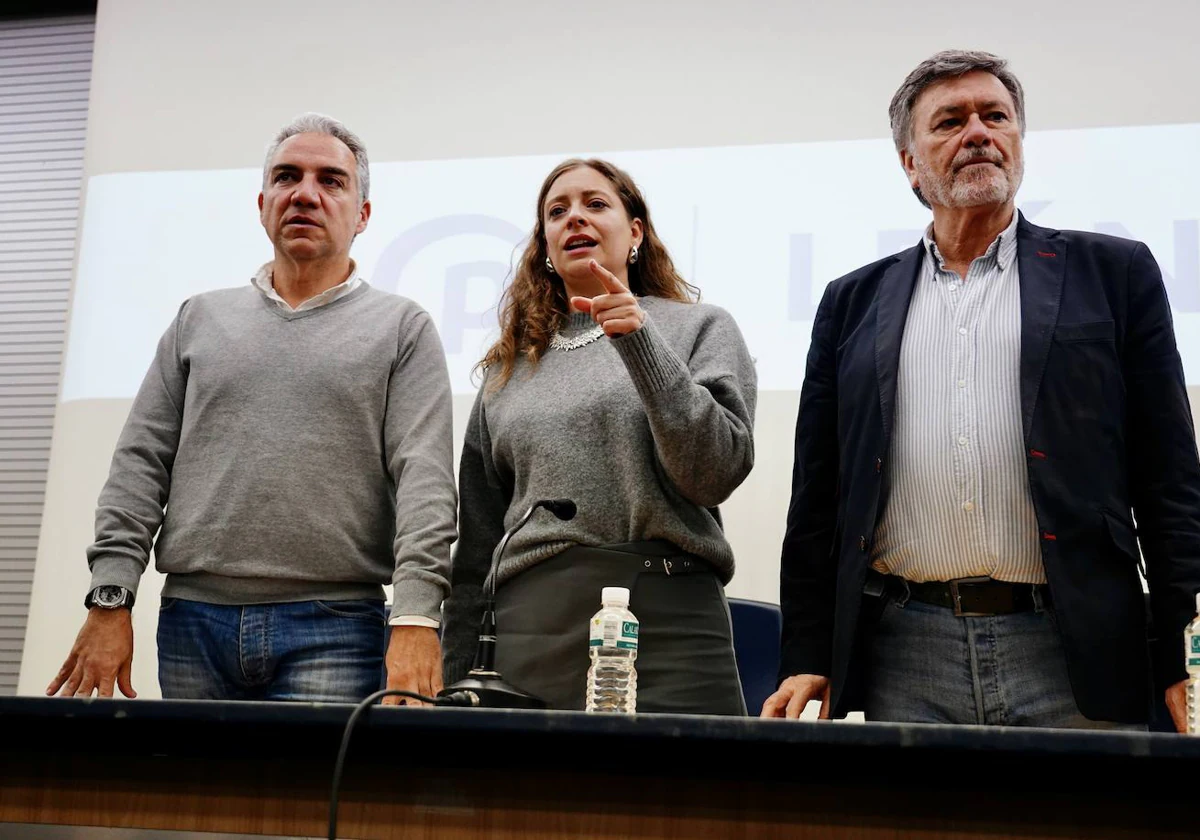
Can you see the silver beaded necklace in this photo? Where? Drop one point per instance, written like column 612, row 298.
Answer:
column 557, row 341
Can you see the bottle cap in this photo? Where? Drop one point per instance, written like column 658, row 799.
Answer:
column 616, row 596
column 1198, row 603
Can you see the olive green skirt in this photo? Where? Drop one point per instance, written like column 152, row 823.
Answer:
column 685, row 662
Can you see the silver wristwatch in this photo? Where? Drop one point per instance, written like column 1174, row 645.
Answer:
column 109, row 598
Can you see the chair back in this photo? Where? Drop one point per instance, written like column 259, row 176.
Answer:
column 756, row 629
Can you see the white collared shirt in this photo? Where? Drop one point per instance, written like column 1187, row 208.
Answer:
column 264, row 280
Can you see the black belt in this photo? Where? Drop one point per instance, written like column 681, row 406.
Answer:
column 976, row 596
column 650, row 557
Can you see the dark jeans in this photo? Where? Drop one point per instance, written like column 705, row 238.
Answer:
column 928, row 665
column 326, row 651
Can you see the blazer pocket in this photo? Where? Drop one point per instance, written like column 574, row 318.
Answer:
column 1088, row 331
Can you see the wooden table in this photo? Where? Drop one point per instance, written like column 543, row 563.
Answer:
column 265, row 768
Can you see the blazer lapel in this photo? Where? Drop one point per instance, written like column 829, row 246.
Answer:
column 891, row 310
column 1041, row 264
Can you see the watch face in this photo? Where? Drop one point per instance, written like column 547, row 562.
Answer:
column 109, row 596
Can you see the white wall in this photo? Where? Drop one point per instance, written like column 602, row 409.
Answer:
column 203, row 86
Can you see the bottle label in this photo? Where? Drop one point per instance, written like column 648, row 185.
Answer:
column 614, row 633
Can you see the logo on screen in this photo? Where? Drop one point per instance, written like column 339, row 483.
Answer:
column 462, row 283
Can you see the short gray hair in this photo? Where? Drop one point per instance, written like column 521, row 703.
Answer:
column 948, row 64
column 320, row 124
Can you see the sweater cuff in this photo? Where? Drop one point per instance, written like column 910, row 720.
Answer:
column 413, row 621
column 116, row 570
column 651, row 363
column 416, row 597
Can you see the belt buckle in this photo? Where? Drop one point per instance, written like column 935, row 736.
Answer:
column 956, row 596
column 876, row 584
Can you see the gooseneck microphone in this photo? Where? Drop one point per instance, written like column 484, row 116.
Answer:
column 484, row 681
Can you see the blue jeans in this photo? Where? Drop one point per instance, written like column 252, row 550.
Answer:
column 314, row 651
column 928, row 665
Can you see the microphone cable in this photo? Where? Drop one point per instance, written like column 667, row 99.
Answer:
column 458, row 698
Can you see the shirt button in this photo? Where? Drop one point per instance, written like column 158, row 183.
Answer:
column 968, row 506
column 962, row 330
column 962, row 441
column 862, row 543
column 878, row 465
column 962, row 383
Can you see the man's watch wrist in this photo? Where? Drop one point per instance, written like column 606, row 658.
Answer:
column 109, row 597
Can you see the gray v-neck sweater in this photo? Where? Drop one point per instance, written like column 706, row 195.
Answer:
column 647, row 433
column 298, row 455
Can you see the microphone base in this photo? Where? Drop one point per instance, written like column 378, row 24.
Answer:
column 494, row 692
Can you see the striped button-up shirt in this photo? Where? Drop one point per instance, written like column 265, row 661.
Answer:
column 958, row 503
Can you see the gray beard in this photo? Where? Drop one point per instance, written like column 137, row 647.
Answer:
column 999, row 188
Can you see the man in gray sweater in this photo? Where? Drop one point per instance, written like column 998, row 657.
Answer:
column 291, row 448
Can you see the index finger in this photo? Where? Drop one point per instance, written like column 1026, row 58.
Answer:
column 612, row 284
column 775, row 704
column 61, row 676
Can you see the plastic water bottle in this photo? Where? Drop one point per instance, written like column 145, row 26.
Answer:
column 613, row 645
column 1191, row 644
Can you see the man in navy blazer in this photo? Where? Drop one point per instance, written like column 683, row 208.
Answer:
column 989, row 425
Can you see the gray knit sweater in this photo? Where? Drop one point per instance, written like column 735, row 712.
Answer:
column 304, row 455
column 647, row 433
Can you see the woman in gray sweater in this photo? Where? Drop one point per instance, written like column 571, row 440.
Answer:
column 610, row 386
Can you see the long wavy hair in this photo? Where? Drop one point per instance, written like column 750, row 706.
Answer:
column 535, row 303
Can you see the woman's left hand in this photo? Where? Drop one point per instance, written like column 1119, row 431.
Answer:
column 617, row 310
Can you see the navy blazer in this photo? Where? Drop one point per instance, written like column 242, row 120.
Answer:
column 1108, row 438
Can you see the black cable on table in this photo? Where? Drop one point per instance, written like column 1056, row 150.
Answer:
column 341, row 758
